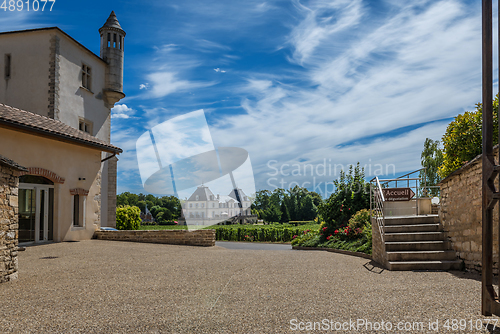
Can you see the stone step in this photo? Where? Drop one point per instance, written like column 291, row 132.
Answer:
column 425, row 265
column 417, row 246
column 414, row 236
column 412, row 220
column 438, row 255
column 412, row 228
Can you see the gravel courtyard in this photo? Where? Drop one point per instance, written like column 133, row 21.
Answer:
column 119, row 287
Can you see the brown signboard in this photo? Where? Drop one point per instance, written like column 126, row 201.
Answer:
column 397, row 194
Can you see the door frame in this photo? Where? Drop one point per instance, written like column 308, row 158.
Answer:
column 38, row 205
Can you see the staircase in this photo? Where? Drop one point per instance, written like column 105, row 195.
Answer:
column 418, row 243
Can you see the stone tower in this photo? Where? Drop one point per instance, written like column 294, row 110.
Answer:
column 112, row 37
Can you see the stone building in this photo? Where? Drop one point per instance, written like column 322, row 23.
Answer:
column 49, row 73
column 204, row 207
column 9, row 181
column 60, row 193
column 461, row 213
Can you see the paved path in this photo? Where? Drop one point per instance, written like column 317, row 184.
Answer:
column 253, row 245
column 123, row 287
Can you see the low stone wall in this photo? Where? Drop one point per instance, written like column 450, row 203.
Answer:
column 9, row 183
column 205, row 238
column 461, row 214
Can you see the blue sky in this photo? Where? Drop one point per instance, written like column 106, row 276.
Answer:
column 295, row 83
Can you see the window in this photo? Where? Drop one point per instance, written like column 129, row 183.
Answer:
column 197, row 197
column 77, row 219
column 202, row 205
column 7, row 66
column 196, row 204
column 86, row 77
column 190, row 205
column 85, row 126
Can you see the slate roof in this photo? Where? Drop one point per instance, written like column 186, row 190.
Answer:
column 32, row 123
column 10, row 163
column 240, row 192
column 203, row 194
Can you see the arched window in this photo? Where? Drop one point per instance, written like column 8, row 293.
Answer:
column 34, row 179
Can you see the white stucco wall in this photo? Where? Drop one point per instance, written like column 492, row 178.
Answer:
column 28, row 86
column 67, row 160
column 76, row 101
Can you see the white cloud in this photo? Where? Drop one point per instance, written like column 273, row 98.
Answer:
column 144, row 86
column 121, row 111
column 415, row 67
column 219, row 70
column 165, row 83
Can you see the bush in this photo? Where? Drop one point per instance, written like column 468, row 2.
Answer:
column 128, row 218
column 360, row 219
column 352, row 193
column 462, row 141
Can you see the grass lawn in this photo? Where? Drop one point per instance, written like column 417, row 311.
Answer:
column 171, row 227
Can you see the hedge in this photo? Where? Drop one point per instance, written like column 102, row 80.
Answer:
column 272, row 233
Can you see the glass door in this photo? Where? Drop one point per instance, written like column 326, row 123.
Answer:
column 35, row 213
column 27, row 215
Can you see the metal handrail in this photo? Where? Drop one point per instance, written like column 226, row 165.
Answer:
column 378, row 210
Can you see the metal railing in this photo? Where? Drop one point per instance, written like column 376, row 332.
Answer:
column 377, row 206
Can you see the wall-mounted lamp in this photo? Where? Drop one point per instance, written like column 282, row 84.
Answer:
column 81, row 179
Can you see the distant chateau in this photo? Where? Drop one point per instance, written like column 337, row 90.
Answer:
column 203, row 205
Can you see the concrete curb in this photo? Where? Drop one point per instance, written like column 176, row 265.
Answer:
column 358, row 254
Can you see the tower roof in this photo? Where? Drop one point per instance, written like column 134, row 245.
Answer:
column 112, row 22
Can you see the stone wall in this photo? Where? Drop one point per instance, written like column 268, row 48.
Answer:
column 9, row 183
column 204, row 238
column 112, row 171
column 379, row 253
column 461, row 214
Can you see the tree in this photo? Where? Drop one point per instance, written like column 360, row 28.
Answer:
column 431, row 159
column 462, row 141
column 352, row 193
column 285, row 216
column 309, row 210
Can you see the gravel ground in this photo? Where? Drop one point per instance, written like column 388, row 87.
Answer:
column 118, row 287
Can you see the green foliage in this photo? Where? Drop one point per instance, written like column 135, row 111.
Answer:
column 360, row 219
column 352, row 193
column 285, row 216
column 431, row 159
column 270, row 233
column 354, row 239
column 163, row 209
column 128, row 218
column 462, row 141
column 295, row 204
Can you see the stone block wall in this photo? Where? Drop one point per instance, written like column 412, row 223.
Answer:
column 9, row 183
column 461, row 214
column 205, row 238
column 379, row 253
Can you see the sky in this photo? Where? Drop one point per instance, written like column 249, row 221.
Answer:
column 305, row 87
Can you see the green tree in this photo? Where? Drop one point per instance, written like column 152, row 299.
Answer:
column 352, row 193
column 462, row 141
column 128, row 218
column 431, row 159
column 308, row 210
column 285, row 216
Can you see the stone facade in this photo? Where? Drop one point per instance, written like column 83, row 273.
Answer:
column 112, row 173
column 461, row 214
column 379, row 253
column 205, row 238
column 9, row 183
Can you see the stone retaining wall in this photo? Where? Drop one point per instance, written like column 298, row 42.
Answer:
column 9, row 182
column 204, row 238
column 461, row 214
column 379, row 254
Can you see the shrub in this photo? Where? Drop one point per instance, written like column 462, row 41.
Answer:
column 272, row 233
column 360, row 219
column 128, row 218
